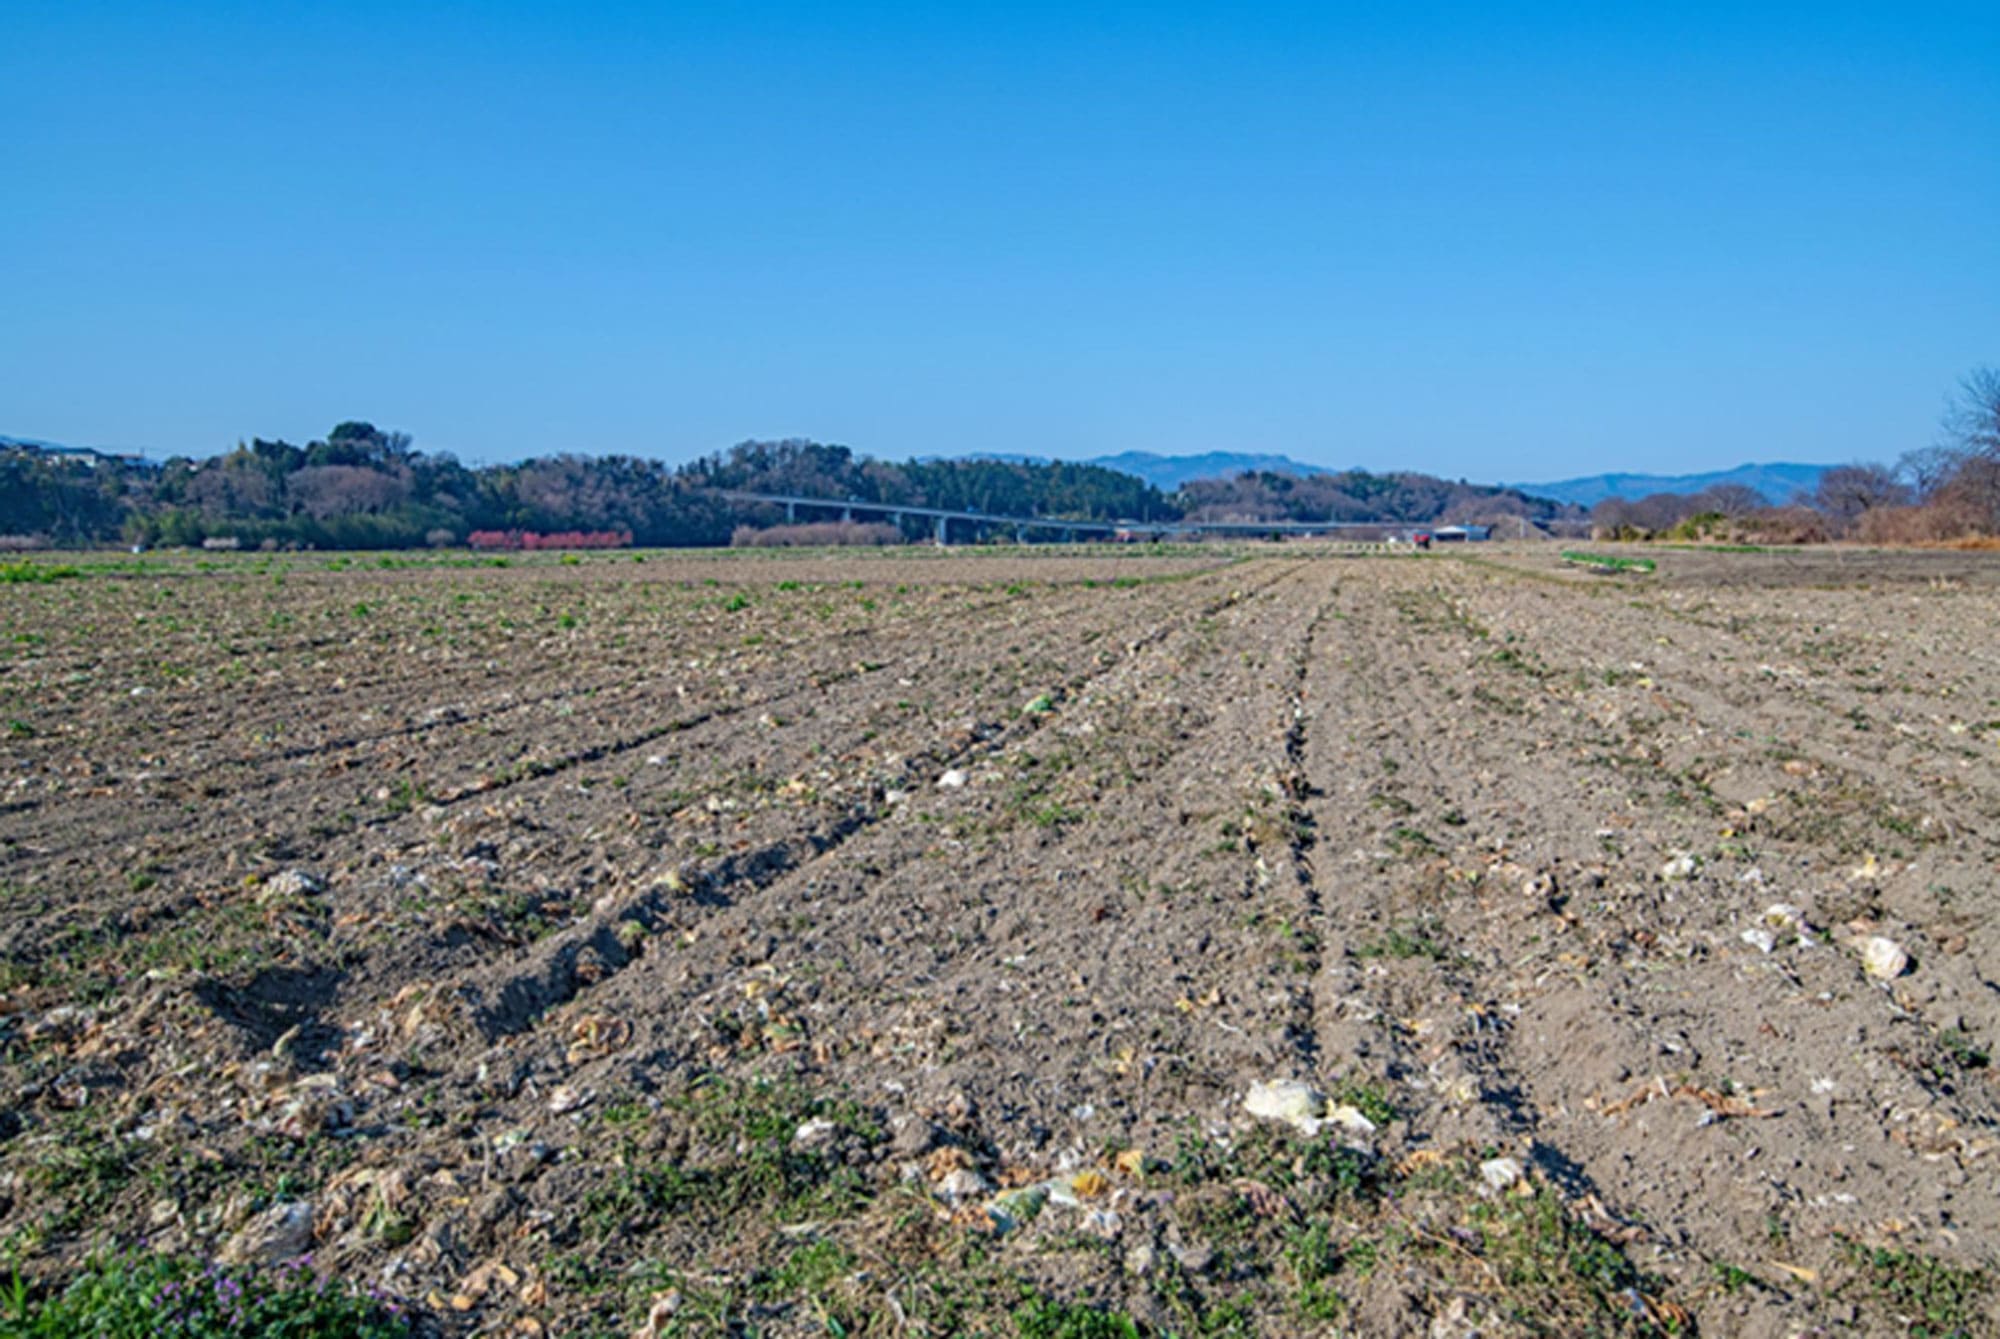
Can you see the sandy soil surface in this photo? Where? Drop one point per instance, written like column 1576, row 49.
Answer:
column 1275, row 940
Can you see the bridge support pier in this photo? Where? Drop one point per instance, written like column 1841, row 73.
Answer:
column 942, row 541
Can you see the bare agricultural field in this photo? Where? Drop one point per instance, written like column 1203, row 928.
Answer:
column 798, row 944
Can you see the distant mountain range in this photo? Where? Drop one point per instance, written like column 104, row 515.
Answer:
column 31, row 444
column 1168, row 473
column 1777, row 482
column 73, row 452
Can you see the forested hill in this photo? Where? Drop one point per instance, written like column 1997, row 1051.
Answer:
column 1356, row 495
column 362, row 487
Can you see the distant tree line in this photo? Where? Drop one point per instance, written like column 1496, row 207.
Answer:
column 363, row 487
column 1948, row 491
column 1358, row 496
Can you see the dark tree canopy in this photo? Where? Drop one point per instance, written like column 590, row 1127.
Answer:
column 363, row 486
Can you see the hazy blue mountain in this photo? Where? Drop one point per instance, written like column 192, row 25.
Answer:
column 1168, row 473
column 1777, row 481
column 89, row 454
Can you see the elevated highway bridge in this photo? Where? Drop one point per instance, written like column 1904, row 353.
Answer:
column 941, row 519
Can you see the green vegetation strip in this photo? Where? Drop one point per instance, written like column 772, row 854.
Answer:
column 28, row 574
column 1605, row 562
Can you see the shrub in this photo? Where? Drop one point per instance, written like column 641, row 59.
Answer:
column 1783, row 525
column 1934, row 523
column 1700, row 526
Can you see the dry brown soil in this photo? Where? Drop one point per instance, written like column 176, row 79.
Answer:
column 710, row 944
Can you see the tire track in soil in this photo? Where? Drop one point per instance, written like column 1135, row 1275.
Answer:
column 1429, row 1015
column 569, row 688
column 509, row 997
column 550, row 977
column 1367, row 732
column 1427, row 969
column 1295, row 804
column 165, row 907
column 870, row 881
column 1474, row 1088
column 327, row 754
column 1899, row 770
column 939, row 648
column 1586, row 1014
column 143, row 820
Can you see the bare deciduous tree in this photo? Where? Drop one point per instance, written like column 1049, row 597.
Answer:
column 1962, row 472
column 1972, row 416
column 1845, row 492
column 1731, row 499
column 326, row 491
column 1927, row 468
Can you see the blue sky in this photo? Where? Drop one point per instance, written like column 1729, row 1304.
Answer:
column 1491, row 240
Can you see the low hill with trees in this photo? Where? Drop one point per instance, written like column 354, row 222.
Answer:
column 363, row 487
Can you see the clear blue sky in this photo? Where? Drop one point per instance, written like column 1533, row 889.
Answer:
column 1488, row 240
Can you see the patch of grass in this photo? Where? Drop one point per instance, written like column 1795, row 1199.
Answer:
column 1418, row 940
column 1608, row 562
column 405, row 795
column 1046, row 1318
column 810, row 1269
column 743, row 1160
column 1410, row 843
column 1964, row 1052
column 25, row 573
column 155, row 1297
column 1394, row 804
column 1562, row 1278
column 1367, row 1099
column 1312, row 1257
column 1519, row 662
column 1732, row 1278
column 86, row 1170
column 1935, row 1300
column 1301, row 1226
